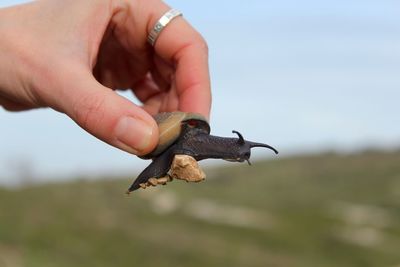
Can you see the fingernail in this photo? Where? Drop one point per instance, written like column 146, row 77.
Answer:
column 134, row 134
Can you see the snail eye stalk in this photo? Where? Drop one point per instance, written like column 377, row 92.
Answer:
column 241, row 139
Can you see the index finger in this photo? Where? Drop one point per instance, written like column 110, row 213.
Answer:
column 180, row 44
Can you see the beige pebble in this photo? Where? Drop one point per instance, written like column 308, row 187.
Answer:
column 152, row 182
column 164, row 180
column 186, row 168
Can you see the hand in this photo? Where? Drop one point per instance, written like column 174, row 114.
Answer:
column 68, row 54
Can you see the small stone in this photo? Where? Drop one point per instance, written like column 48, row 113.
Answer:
column 152, row 182
column 186, row 168
column 164, row 180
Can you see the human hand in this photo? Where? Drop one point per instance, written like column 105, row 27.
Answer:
column 68, row 54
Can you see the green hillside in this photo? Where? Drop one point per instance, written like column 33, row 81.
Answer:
column 322, row 210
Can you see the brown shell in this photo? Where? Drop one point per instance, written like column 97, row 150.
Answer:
column 169, row 126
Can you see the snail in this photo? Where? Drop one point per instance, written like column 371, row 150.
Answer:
column 182, row 133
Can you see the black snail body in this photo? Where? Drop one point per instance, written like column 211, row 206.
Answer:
column 189, row 134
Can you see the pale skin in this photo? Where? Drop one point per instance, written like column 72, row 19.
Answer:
column 69, row 54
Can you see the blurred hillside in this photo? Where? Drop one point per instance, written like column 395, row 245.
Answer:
column 322, row 210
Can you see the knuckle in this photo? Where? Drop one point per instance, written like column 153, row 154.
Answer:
column 205, row 47
column 202, row 44
column 89, row 111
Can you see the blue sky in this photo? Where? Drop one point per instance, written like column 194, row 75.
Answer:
column 301, row 75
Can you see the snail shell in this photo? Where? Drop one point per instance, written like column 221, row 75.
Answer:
column 170, row 127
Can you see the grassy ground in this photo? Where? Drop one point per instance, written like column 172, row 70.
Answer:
column 326, row 210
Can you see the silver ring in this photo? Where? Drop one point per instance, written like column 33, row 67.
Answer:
column 161, row 23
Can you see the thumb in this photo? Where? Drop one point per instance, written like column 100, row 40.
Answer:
column 109, row 116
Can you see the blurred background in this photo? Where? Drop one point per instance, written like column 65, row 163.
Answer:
column 319, row 80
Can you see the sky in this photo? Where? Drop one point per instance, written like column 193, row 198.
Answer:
column 303, row 76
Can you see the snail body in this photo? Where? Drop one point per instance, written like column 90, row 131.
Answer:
column 189, row 134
